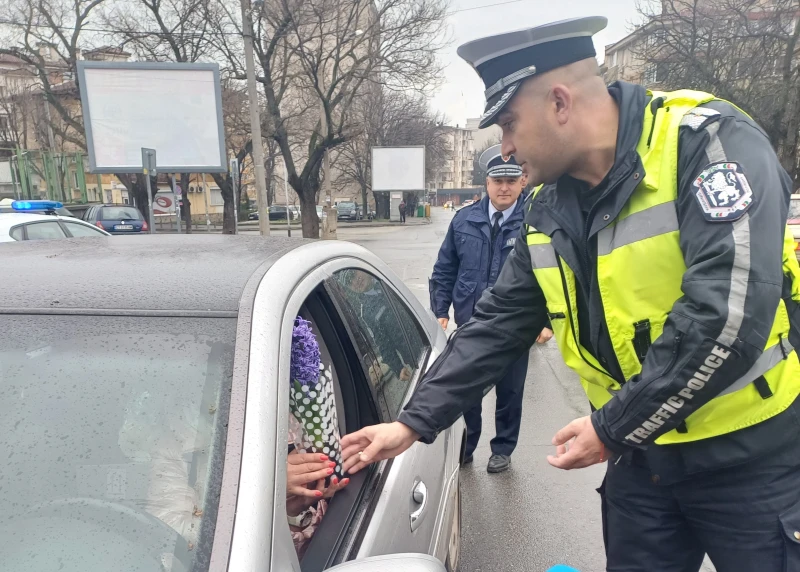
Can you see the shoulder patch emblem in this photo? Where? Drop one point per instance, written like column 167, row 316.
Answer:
column 723, row 192
column 511, row 241
column 698, row 117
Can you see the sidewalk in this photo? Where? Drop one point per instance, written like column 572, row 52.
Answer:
column 410, row 221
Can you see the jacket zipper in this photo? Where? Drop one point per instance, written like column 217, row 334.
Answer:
column 572, row 321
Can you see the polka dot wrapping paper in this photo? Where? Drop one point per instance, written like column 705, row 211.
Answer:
column 312, row 398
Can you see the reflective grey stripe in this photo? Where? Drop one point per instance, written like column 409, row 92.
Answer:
column 648, row 223
column 542, row 256
column 714, row 150
column 740, row 274
column 769, row 359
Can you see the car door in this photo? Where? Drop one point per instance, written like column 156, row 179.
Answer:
column 409, row 514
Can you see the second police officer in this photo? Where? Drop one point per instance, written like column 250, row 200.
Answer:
column 477, row 244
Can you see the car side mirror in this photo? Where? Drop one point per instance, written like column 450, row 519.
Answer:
column 393, row 563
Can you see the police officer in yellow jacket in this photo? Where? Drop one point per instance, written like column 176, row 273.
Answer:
column 658, row 248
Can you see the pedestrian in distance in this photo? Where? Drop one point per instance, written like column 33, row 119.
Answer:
column 659, row 250
column 402, row 209
column 477, row 243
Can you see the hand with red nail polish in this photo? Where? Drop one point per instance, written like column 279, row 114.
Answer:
column 303, row 469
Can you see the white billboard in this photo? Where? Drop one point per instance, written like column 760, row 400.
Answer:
column 398, row 168
column 174, row 108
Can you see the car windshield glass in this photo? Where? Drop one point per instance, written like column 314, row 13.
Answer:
column 794, row 209
column 112, row 431
column 347, row 205
column 113, row 213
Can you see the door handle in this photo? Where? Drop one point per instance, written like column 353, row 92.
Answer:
column 419, row 498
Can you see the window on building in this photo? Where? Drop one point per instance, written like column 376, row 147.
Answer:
column 216, row 198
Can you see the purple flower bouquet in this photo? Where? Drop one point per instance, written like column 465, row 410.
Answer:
column 311, row 398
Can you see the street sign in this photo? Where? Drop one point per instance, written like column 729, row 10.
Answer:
column 148, row 161
column 178, row 191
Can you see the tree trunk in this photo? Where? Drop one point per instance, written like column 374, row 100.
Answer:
column 365, row 209
column 224, row 182
column 186, row 210
column 308, row 216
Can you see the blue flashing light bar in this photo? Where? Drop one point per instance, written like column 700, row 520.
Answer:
column 23, row 206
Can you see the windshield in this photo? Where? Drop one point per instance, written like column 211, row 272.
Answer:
column 347, row 205
column 794, row 209
column 113, row 213
column 112, row 433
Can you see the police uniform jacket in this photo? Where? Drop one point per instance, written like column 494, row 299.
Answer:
column 470, row 260
column 509, row 316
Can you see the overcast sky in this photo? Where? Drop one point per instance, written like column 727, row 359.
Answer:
column 461, row 96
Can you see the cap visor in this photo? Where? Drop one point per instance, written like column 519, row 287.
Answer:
column 495, row 105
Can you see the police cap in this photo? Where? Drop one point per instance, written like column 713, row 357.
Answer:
column 496, row 165
column 505, row 60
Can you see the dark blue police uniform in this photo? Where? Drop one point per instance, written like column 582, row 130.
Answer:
column 469, row 262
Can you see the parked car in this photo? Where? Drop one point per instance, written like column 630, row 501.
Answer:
column 25, row 226
column 142, row 430
column 348, row 211
column 253, row 215
column 794, row 219
column 278, row 212
column 34, row 207
column 117, row 219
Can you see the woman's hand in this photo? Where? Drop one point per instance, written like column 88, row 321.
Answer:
column 297, row 504
column 305, row 468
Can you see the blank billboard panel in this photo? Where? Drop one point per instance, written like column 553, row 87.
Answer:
column 172, row 108
column 398, row 168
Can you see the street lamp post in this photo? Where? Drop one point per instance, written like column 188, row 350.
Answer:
column 255, row 118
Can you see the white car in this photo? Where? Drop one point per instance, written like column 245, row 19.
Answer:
column 25, row 226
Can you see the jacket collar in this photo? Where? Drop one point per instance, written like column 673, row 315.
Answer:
column 479, row 212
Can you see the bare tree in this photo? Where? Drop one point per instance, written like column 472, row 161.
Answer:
column 745, row 51
column 166, row 31
column 389, row 118
column 49, row 36
column 316, row 57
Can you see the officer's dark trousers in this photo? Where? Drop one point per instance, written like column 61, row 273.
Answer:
column 746, row 518
column 508, row 412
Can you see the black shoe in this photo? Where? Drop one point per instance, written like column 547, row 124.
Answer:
column 498, row 463
column 467, row 461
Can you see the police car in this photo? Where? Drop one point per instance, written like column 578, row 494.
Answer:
column 26, row 221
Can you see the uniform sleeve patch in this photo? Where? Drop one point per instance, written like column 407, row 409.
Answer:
column 723, row 192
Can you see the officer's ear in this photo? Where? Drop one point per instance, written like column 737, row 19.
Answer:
column 561, row 98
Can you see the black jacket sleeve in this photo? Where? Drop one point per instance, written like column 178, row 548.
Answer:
column 445, row 274
column 731, row 287
column 506, row 323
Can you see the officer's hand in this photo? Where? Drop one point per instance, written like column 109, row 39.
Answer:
column 376, row 443
column 545, row 336
column 443, row 322
column 577, row 446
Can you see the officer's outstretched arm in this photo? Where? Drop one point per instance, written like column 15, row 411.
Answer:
column 445, row 273
column 506, row 322
column 731, row 207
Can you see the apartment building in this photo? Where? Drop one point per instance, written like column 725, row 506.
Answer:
column 456, row 172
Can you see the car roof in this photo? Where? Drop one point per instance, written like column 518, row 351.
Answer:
column 7, row 220
column 173, row 274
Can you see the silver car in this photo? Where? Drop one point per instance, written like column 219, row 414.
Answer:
column 145, row 407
